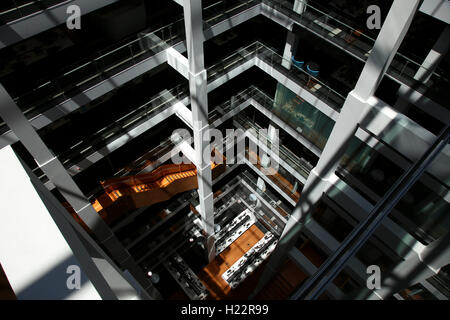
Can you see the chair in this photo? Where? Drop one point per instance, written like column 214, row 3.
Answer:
column 298, row 64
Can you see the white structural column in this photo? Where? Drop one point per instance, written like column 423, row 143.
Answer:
column 199, row 106
column 300, row 6
column 289, row 50
column 272, row 132
column 64, row 183
column 292, row 42
column 429, row 65
column 434, row 57
column 354, row 111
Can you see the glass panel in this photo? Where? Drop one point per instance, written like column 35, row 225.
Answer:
column 388, row 264
column 15, row 9
column 366, row 170
column 422, row 211
column 331, row 26
column 302, row 116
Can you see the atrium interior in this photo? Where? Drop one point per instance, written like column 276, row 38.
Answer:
column 225, row 149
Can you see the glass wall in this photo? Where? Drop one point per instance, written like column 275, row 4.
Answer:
column 302, row 116
column 310, row 122
column 421, row 212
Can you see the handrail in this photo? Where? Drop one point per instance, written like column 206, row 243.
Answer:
column 19, row 8
column 108, row 51
column 402, row 68
column 303, row 167
column 147, row 178
column 139, row 112
column 104, row 53
column 339, row 22
column 327, row 272
column 152, row 179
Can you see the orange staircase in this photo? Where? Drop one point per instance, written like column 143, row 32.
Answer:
column 132, row 192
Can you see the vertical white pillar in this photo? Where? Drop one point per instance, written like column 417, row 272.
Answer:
column 429, row 65
column 295, row 188
column 434, row 57
column 300, row 6
column 292, row 42
column 352, row 113
column 199, row 105
column 289, row 50
column 48, row 244
column 355, row 107
column 272, row 133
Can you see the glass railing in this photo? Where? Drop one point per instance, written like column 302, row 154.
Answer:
column 283, row 184
column 154, row 105
column 363, row 165
column 105, row 63
column 428, row 215
column 138, row 165
column 315, row 86
column 11, row 10
column 274, row 202
column 300, row 165
column 423, row 216
column 258, row 49
column 441, row 281
column 232, row 61
column 421, row 212
column 390, row 283
column 109, row 132
column 357, row 42
column 110, row 61
column 221, row 10
column 139, row 113
column 427, row 211
column 85, row 74
column 144, row 221
column 148, row 222
column 135, row 167
column 143, row 253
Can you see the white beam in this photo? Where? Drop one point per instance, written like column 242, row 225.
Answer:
column 177, row 61
column 439, row 9
column 36, row 265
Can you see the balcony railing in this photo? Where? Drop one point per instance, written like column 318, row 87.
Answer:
column 354, row 40
column 86, row 73
column 11, row 10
